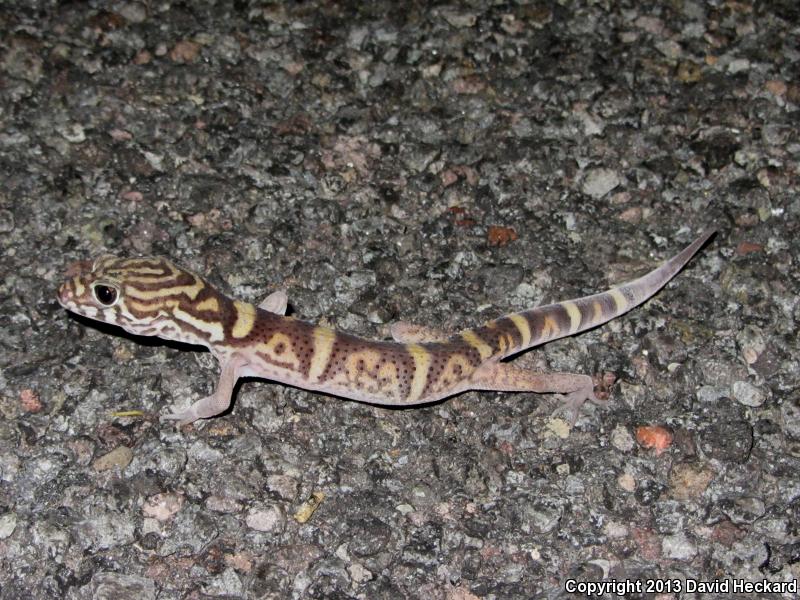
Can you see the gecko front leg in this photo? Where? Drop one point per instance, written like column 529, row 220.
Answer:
column 217, row 402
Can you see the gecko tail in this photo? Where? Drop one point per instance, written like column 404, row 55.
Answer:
column 542, row 324
column 641, row 289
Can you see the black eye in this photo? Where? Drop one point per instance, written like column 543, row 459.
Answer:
column 105, row 294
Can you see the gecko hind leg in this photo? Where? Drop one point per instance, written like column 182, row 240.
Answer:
column 503, row 377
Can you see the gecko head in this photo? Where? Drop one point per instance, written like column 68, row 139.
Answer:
column 141, row 295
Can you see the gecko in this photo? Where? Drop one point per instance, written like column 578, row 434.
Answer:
column 152, row 296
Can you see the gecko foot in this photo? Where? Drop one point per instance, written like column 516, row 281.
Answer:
column 183, row 417
column 205, row 408
column 573, row 401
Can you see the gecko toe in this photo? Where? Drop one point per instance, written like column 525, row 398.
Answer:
column 574, row 401
column 184, row 417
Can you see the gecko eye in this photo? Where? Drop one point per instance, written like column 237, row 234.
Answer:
column 105, row 294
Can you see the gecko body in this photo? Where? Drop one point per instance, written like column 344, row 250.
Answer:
column 152, row 296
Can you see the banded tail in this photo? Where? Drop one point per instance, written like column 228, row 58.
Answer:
column 152, row 296
column 516, row 332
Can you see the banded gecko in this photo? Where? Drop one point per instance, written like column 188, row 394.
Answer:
column 154, row 297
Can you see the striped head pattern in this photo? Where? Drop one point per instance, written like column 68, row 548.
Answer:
column 145, row 296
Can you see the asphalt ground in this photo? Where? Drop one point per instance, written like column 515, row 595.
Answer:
column 432, row 163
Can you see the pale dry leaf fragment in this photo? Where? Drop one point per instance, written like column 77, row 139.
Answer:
column 308, row 507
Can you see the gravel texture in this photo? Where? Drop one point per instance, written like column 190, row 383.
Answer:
column 436, row 163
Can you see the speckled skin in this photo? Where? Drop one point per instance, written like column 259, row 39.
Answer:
column 153, row 296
